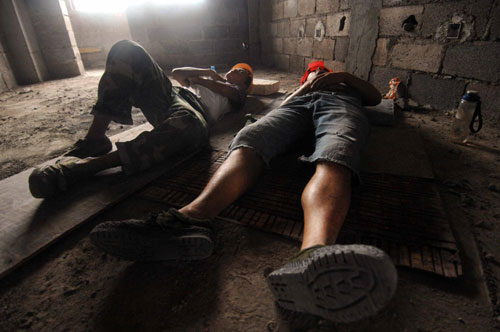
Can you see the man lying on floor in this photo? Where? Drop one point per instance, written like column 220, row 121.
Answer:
column 180, row 116
column 337, row 282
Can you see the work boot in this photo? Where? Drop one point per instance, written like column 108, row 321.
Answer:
column 49, row 181
column 340, row 283
column 169, row 235
column 84, row 148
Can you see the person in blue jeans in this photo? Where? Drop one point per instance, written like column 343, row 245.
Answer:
column 341, row 283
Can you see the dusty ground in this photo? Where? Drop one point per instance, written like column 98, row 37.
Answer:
column 74, row 287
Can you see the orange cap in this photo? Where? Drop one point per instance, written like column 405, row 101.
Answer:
column 249, row 69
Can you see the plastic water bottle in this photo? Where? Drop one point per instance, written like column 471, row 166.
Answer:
column 467, row 112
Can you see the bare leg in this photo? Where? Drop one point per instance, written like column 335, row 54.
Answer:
column 238, row 173
column 325, row 201
column 97, row 129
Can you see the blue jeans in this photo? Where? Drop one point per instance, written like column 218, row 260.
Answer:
column 336, row 120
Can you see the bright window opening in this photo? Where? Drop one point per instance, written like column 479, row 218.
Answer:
column 119, row 6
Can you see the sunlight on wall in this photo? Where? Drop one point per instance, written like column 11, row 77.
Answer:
column 119, row 6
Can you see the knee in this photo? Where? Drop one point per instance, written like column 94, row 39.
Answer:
column 333, row 171
column 247, row 157
column 121, row 48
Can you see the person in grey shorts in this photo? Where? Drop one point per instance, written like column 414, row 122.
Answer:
column 337, row 282
column 180, row 116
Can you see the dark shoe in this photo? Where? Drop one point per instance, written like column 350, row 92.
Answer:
column 84, row 148
column 340, row 283
column 169, row 235
column 48, row 181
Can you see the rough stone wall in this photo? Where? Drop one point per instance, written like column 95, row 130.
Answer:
column 96, row 33
column 206, row 34
column 55, row 36
column 438, row 69
column 295, row 32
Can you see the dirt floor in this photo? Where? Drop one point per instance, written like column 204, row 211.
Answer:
column 75, row 287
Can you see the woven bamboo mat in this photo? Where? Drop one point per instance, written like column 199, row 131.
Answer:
column 404, row 216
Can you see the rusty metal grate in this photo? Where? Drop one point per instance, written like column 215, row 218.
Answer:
column 402, row 215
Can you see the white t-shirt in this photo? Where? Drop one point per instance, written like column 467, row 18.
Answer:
column 215, row 104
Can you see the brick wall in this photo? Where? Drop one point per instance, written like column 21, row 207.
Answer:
column 436, row 68
column 207, row 34
column 295, row 32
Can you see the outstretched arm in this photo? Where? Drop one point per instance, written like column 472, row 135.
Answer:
column 182, row 74
column 369, row 94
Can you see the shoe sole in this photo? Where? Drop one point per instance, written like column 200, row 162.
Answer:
column 135, row 247
column 40, row 188
column 340, row 283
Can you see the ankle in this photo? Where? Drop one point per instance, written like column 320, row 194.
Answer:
column 194, row 213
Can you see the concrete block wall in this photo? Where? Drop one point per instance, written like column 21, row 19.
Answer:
column 7, row 79
column 296, row 32
column 206, row 34
column 55, row 36
column 96, row 33
column 20, row 45
column 438, row 69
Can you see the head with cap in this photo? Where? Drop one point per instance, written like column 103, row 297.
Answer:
column 240, row 74
column 313, row 70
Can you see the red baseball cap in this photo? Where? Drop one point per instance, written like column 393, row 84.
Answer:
column 312, row 67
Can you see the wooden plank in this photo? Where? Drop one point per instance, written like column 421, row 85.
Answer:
column 29, row 225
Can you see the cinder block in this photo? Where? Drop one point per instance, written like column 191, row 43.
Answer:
column 336, row 65
column 341, row 48
column 201, row 46
column 495, row 23
column 284, row 28
column 297, row 64
column 479, row 60
column 425, row 57
column 344, row 4
column 306, row 7
column 391, row 20
column 290, row 8
column 324, row 49
column 295, row 24
column 475, row 13
column 279, row 28
column 327, row 6
column 263, row 87
column 277, row 10
column 228, row 45
column 282, row 61
column 380, row 55
column 310, row 25
column 381, row 76
column 274, row 29
column 215, row 32
column 490, row 102
column 304, row 47
column 278, row 45
column 290, row 45
column 437, row 93
column 334, row 24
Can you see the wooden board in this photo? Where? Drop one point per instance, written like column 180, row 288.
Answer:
column 28, row 225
